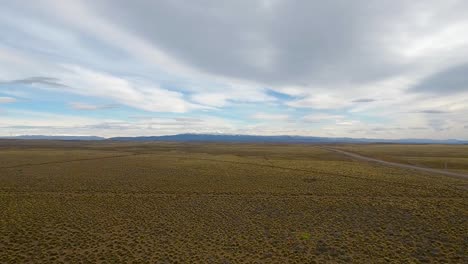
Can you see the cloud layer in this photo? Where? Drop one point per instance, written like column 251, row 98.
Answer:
column 389, row 69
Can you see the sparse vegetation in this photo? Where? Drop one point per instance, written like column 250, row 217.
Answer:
column 449, row 157
column 68, row 202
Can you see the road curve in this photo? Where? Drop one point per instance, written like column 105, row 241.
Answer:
column 399, row 165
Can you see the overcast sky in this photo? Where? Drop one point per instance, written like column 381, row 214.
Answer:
column 376, row 69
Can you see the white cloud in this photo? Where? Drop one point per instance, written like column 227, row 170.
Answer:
column 347, row 122
column 321, row 101
column 4, row 100
column 79, row 15
column 210, row 99
column 14, row 118
column 271, row 117
column 363, row 68
column 136, row 94
column 86, row 106
column 27, row 123
column 320, row 117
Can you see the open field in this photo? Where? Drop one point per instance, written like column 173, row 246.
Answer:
column 450, row 157
column 109, row 202
column 420, row 168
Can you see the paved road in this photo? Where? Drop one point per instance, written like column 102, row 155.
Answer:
column 399, row 165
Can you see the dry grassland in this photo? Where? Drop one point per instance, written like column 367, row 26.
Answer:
column 451, row 157
column 106, row 202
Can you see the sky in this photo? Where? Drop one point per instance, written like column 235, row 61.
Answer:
column 375, row 69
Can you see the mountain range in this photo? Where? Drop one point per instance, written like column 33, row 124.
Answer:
column 246, row 139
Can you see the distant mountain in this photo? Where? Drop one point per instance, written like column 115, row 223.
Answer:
column 42, row 137
column 246, row 139
column 281, row 139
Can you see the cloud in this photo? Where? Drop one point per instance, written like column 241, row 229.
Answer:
column 448, row 81
column 210, row 99
column 384, row 64
column 246, row 40
column 188, row 120
column 86, row 106
column 270, row 117
column 4, row 100
column 292, row 42
column 347, row 122
column 15, row 118
column 364, row 100
column 39, row 80
column 431, row 111
column 313, row 118
column 87, row 82
column 320, row 101
column 439, row 124
column 149, row 97
column 23, row 123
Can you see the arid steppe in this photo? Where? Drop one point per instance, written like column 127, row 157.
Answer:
column 116, row 202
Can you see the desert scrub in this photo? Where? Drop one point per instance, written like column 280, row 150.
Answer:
column 167, row 202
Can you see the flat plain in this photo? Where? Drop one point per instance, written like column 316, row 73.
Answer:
column 449, row 157
column 120, row 202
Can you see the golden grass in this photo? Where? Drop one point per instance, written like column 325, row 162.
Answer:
column 450, row 157
column 221, row 203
